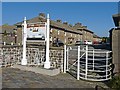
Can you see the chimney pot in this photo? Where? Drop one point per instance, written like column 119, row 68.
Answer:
column 66, row 23
column 59, row 20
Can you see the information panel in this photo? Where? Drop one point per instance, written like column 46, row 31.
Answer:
column 36, row 31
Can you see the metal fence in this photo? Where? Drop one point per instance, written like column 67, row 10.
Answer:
column 87, row 63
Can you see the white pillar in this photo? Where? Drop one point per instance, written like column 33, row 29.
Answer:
column 65, row 56
column 106, row 64
column 78, row 64
column 67, row 68
column 86, row 68
column 47, row 62
column 24, row 60
column 93, row 58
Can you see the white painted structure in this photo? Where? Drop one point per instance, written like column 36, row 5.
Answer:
column 88, row 64
column 24, row 60
column 36, row 30
column 47, row 62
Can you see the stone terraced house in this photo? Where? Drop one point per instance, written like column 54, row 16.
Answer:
column 67, row 33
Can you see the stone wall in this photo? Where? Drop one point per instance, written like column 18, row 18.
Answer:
column 10, row 55
column 115, row 46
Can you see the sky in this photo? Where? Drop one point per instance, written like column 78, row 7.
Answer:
column 97, row 16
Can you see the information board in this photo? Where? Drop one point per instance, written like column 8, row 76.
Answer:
column 36, row 31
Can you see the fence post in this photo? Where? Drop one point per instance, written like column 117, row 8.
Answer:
column 78, row 64
column 106, row 64
column 47, row 62
column 86, row 69
column 65, row 59
column 93, row 58
column 67, row 55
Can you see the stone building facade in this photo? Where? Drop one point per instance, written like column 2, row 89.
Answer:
column 96, row 39
column 86, row 34
column 115, row 43
column 9, row 34
column 67, row 33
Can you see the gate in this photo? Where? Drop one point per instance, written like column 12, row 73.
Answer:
column 85, row 62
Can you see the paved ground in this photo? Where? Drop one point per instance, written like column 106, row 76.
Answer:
column 15, row 78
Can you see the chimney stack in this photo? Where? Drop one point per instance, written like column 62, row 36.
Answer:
column 42, row 15
column 59, row 20
column 66, row 23
column 84, row 27
column 70, row 25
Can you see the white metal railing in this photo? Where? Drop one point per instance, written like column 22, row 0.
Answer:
column 89, row 64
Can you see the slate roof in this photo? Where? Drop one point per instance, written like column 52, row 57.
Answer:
column 8, row 28
column 52, row 24
column 95, row 36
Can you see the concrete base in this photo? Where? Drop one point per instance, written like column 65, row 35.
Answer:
column 50, row 72
column 46, row 65
column 24, row 62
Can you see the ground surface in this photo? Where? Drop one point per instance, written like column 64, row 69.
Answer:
column 15, row 78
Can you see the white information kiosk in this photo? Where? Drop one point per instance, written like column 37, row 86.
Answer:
column 36, row 31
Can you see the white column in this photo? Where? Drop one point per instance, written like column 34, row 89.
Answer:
column 47, row 62
column 78, row 64
column 86, row 68
column 65, row 56
column 106, row 64
column 24, row 60
column 67, row 67
column 93, row 58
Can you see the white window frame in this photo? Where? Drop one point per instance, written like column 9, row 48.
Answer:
column 65, row 33
column 58, row 32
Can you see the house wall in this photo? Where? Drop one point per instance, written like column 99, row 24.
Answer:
column 87, row 35
column 65, row 36
column 115, row 38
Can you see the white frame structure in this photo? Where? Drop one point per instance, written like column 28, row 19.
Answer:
column 91, row 64
column 24, row 60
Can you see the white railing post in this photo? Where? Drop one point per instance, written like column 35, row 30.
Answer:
column 86, row 69
column 24, row 60
column 106, row 64
column 67, row 67
column 47, row 62
column 78, row 64
column 93, row 58
column 4, row 43
column 65, row 56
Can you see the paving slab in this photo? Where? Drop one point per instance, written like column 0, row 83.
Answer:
column 16, row 78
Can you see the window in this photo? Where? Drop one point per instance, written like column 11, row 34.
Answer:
column 65, row 40
column 30, row 29
column 58, row 32
column 50, row 38
column 51, row 30
column 65, row 33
